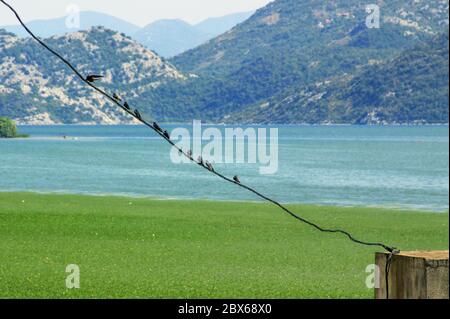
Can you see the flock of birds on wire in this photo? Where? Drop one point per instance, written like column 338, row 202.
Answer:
column 91, row 78
column 94, row 77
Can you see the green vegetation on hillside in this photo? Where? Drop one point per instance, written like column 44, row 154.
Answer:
column 410, row 88
column 291, row 47
column 37, row 86
column 291, row 62
column 146, row 248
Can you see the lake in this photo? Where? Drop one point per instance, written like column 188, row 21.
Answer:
column 405, row 167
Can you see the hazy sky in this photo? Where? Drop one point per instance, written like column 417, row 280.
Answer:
column 139, row 12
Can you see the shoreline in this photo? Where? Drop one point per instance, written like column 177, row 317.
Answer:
column 245, row 124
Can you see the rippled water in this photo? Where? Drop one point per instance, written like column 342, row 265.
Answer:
column 403, row 167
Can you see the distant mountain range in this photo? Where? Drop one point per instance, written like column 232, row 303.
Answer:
column 88, row 19
column 172, row 37
column 166, row 37
column 291, row 48
column 291, row 62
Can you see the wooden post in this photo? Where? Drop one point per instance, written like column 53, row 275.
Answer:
column 414, row 275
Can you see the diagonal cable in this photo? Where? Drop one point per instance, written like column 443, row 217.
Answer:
column 199, row 162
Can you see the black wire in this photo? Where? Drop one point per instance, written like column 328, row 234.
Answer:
column 200, row 163
column 387, row 270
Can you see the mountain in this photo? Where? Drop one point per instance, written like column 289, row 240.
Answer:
column 311, row 29
column 289, row 45
column 166, row 37
column 36, row 88
column 292, row 61
column 172, row 37
column 88, row 19
column 413, row 88
column 218, row 25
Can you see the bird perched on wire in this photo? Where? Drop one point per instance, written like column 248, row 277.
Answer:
column 116, row 97
column 209, row 166
column 127, row 106
column 166, row 135
column 138, row 114
column 91, row 78
column 200, row 160
column 157, row 127
column 236, row 179
column 189, row 154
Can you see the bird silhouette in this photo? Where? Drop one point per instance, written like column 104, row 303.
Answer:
column 189, row 153
column 91, row 78
column 116, row 97
column 166, row 135
column 157, row 127
column 127, row 106
column 209, row 166
column 236, row 179
column 138, row 114
column 200, row 160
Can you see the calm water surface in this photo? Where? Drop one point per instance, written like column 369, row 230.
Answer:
column 402, row 167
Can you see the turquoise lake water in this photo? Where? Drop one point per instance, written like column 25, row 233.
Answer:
column 392, row 166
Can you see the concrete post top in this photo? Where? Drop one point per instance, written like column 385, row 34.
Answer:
column 413, row 275
column 427, row 255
